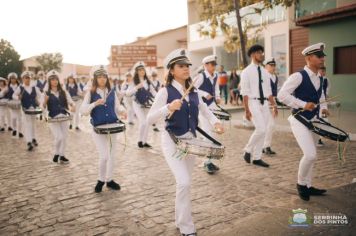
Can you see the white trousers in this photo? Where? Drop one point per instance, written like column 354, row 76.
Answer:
column 141, row 114
column 260, row 116
column 130, row 110
column 3, row 111
column 29, row 127
column 269, row 131
column 75, row 120
column 15, row 120
column 8, row 117
column 106, row 146
column 60, row 132
column 182, row 170
column 307, row 142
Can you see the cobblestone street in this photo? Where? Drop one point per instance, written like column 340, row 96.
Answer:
column 38, row 197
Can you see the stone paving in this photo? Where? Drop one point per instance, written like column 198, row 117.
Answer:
column 38, row 197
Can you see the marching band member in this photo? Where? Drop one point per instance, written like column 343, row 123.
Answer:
column 302, row 91
column 144, row 93
column 15, row 114
column 3, row 110
column 75, row 93
column 270, row 67
column 41, row 84
column 206, row 82
column 256, row 89
column 82, row 82
column 128, row 100
column 103, row 105
column 58, row 101
column 182, row 124
column 326, row 91
column 156, row 85
column 30, row 96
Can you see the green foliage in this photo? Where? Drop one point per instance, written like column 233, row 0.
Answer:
column 9, row 59
column 50, row 61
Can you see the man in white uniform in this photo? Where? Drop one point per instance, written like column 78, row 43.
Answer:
column 256, row 92
column 303, row 92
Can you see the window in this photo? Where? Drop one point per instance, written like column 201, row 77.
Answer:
column 344, row 60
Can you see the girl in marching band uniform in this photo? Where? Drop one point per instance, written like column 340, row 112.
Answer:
column 29, row 95
column 41, row 84
column 75, row 93
column 128, row 100
column 156, row 85
column 58, row 101
column 144, row 94
column 3, row 110
column 15, row 114
column 103, row 105
column 182, row 124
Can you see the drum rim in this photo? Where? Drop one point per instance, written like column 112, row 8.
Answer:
column 330, row 135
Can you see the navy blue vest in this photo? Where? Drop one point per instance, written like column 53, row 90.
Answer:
column 208, row 87
column 28, row 100
column 143, row 96
column 10, row 92
column 103, row 114
column 81, row 86
column 157, row 86
column 40, row 85
column 325, row 86
column 72, row 91
column 307, row 93
column 274, row 87
column 185, row 119
column 56, row 105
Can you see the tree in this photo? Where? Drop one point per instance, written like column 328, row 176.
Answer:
column 50, row 61
column 214, row 13
column 9, row 59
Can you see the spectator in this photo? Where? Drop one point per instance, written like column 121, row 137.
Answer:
column 222, row 80
column 234, row 90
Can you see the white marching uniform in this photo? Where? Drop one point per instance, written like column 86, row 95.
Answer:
column 76, row 118
column 105, row 144
column 271, row 121
column 140, row 112
column 3, row 109
column 60, row 129
column 15, row 115
column 305, row 138
column 28, row 121
column 181, row 168
column 260, row 113
column 128, row 101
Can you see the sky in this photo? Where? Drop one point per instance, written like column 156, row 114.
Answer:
column 84, row 30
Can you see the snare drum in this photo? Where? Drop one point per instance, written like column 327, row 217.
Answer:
column 201, row 148
column 59, row 118
column 14, row 104
column 32, row 111
column 221, row 115
column 110, row 128
column 3, row 102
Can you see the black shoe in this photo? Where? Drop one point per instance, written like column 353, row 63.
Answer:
column 77, row 128
column 316, row 192
column 113, row 185
column 260, row 162
column 63, row 160
column 9, row 129
column 41, row 117
column 70, row 126
column 303, row 192
column 247, row 157
column 131, row 123
column 209, row 167
column 155, row 129
column 34, row 142
column 20, row 135
column 192, row 234
column 29, row 147
column 55, row 158
column 320, row 143
column 140, row 145
column 2, row 129
column 14, row 133
column 268, row 151
column 146, row 145
column 99, row 186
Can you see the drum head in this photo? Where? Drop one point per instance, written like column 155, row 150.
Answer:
column 329, row 131
column 201, row 143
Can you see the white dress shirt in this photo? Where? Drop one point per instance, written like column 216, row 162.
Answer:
column 292, row 83
column 250, row 82
column 160, row 109
column 199, row 79
column 87, row 107
column 131, row 90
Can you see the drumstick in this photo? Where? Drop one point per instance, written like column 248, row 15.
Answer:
column 184, row 96
column 325, row 101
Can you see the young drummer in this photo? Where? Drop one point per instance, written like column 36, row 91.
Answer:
column 102, row 104
column 144, row 93
column 58, row 101
column 3, row 110
column 30, row 97
column 182, row 124
column 75, row 93
column 15, row 114
column 41, row 83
